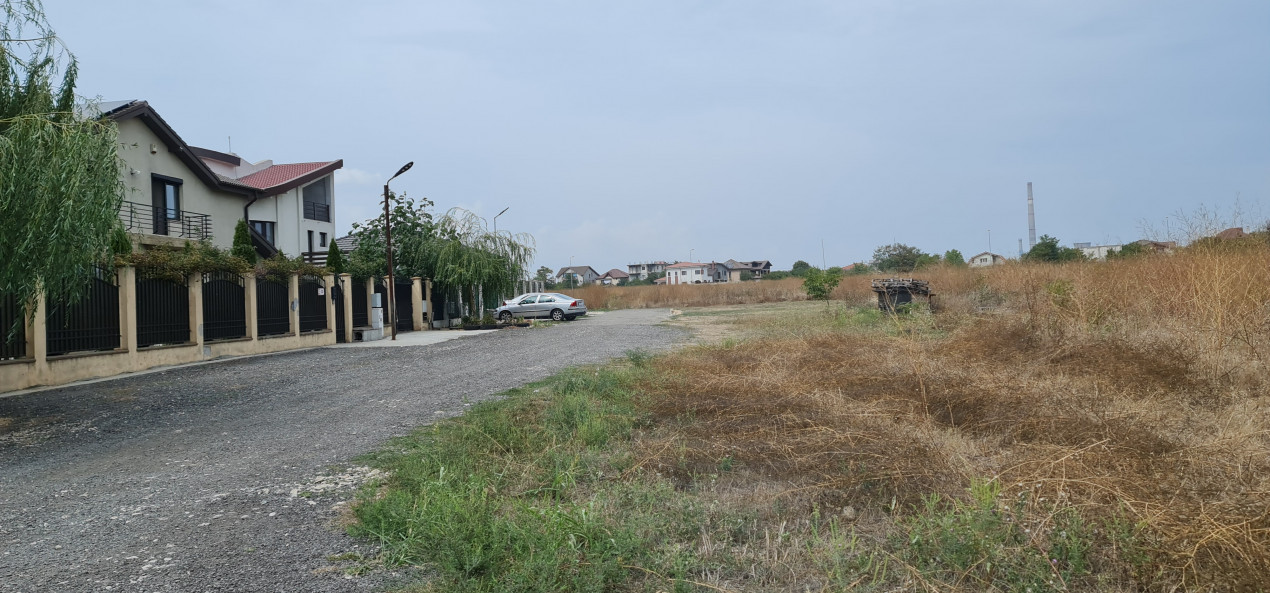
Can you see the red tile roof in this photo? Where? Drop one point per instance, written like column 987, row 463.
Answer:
column 281, row 174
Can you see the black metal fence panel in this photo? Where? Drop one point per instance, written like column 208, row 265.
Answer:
column 273, row 303
column 90, row 324
column 361, row 318
column 12, row 328
column 404, row 302
column 337, row 295
column 312, row 304
column 224, row 306
column 163, row 312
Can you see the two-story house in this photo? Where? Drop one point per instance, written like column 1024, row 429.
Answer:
column 574, row 276
column 642, row 271
column 176, row 192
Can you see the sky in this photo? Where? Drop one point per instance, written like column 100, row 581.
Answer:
column 625, row 132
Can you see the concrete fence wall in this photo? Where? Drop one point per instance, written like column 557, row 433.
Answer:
column 38, row 368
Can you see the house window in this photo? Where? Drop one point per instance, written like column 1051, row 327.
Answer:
column 310, row 241
column 266, row 228
column 317, row 202
column 165, row 197
column 323, row 240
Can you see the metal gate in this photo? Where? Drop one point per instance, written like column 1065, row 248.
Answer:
column 224, row 306
column 361, row 318
column 90, row 324
column 163, row 312
column 337, row 295
column 273, row 314
column 403, row 297
column 312, row 304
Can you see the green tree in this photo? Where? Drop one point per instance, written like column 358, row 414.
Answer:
column 242, row 247
column 953, row 257
column 818, row 283
column 800, row 268
column 1130, row 250
column 1047, row 249
column 335, row 259
column 746, row 275
column 898, row 257
column 60, row 182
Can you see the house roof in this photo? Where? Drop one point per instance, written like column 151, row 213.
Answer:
column 994, row 255
column 659, row 281
column 281, row 178
column 616, row 273
column 271, row 181
column 582, row 270
column 1231, row 233
column 687, row 264
column 346, row 243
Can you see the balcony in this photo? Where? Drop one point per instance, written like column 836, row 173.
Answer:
column 147, row 219
column 316, row 211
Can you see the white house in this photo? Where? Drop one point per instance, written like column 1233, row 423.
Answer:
column 985, row 259
column 1098, row 252
column 689, row 273
column 177, row 193
column 642, row 271
column 573, row 276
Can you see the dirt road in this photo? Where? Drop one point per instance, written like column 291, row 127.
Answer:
column 231, row 476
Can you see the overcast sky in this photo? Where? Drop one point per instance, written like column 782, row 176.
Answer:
column 621, row 132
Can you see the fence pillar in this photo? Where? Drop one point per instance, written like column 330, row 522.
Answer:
column 328, row 283
column 39, row 339
column 293, row 294
column 370, row 297
column 252, row 311
column 196, row 309
column 417, row 302
column 127, row 279
column 427, row 299
column 346, row 289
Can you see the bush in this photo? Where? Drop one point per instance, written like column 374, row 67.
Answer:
column 820, row 283
column 335, row 259
column 242, row 247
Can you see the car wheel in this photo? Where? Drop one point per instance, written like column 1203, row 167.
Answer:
column 557, row 315
column 505, row 316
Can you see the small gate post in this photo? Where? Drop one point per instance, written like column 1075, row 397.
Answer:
column 249, row 293
column 328, row 281
column 427, row 299
column 293, row 307
column 127, row 279
column 196, row 310
column 346, row 289
column 416, row 299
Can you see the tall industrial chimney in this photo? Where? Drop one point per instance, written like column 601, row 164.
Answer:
column 1031, row 218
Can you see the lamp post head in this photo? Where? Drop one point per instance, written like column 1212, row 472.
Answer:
column 404, row 168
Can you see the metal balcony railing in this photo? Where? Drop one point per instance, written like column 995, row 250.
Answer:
column 151, row 220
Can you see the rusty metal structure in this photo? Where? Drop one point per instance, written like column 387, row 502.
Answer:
column 895, row 292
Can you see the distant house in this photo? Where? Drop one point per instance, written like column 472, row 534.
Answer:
column 758, row 268
column 689, row 273
column 985, row 259
column 642, row 271
column 177, row 193
column 1157, row 246
column 613, row 277
column 1231, row 233
column 1097, row 252
column 573, row 276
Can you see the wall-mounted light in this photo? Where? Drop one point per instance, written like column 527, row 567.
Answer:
column 134, row 172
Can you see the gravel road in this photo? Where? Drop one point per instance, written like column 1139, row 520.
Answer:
column 231, row 476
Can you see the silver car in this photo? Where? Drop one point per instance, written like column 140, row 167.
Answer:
column 549, row 305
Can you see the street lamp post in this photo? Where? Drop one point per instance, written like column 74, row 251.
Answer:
column 392, row 285
column 496, row 218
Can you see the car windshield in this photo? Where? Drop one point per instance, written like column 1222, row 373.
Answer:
column 563, row 297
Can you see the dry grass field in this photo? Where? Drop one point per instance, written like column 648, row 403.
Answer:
column 1081, row 427
column 1130, row 396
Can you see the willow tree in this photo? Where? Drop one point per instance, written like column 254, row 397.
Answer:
column 468, row 256
column 60, row 183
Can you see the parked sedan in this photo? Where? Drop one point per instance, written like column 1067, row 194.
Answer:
column 549, row 305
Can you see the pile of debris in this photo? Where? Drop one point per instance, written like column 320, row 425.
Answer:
column 896, row 292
